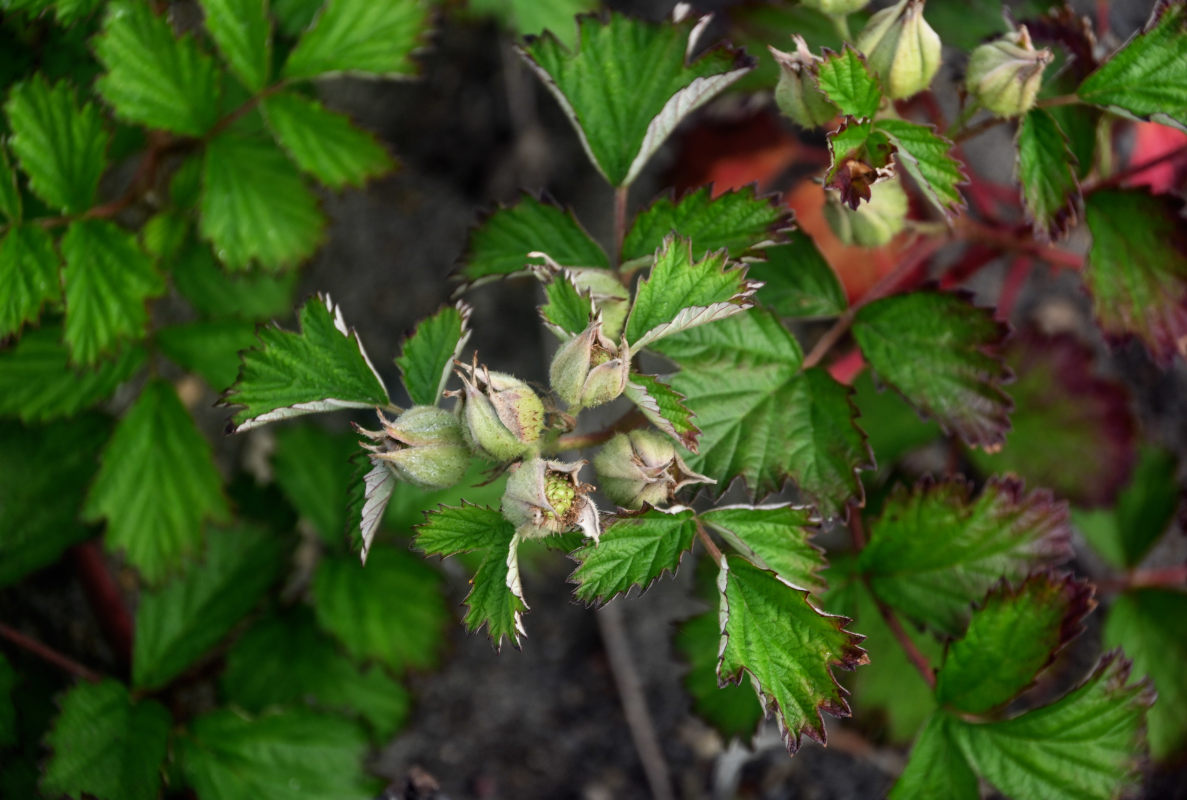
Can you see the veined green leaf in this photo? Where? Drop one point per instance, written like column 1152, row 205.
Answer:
column 60, row 145
column 154, row 78
column 935, row 551
column 496, row 595
column 108, row 281
column 210, row 348
column 243, row 33
column 927, row 158
column 429, row 352
column 734, row 221
column 940, row 352
column 628, row 85
column 679, row 294
column 255, row 206
column 254, row 295
column 230, row 756
column 1015, row 633
column 322, row 368
column 774, row 537
column 1046, row 172
column 848, row 82
column 569, row 309
column 797, row 281
column 894, row 428
column 293, row 17
column 936, row 768
column 107, row 746
column 324, row 143
column 1137, row 267
column 732, row 709
column 178, row 623
column 771, row 632
column 157, row 483
column 29, row 275
column 313, row 468
column 634, row 550
column 664, row 408
column 360, row 36
column 533, row 17
column 1147, row 78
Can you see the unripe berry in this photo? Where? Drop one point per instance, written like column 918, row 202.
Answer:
column 423, row 446
column 642, row 467
column 1005, row 75
column 798, row 94
column 873, row 223
column 589, row 369
column 502, row 416
column 901, row 48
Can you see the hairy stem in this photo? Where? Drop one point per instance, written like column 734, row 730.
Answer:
column 47, row 653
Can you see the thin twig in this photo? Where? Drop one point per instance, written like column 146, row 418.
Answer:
column 1157, row 577
column 579, row 441
column 1015, row 241
column 1117, row 178
column 857, row 528
column 47, row 653
column 634, row 701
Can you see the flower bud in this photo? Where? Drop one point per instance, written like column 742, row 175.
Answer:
column 835, row 8
column 901, row 48
column 423, row 446
column 873, row 223
column 589, row 370
column 1004, row 75
column 503, row 417
column 642, row 467
column 545, row 497
column 798, row 94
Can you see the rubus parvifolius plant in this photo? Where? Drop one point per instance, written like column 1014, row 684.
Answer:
column 956, row 598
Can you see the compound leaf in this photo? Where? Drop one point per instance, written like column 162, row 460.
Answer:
column 243, row 33
column 788, row 648
column 732, row 709
column 927, row 158
column 210, row 348
column 107, row 746
column 1137, row 267
column 797, row 280
column 153, row 78
column 59, row 144
column 429, row 353
column 935, row 550
column 1046, row 173
column 322, row 368
column 734, row 221
column 848, row 82
column 628, row 84
column 324, row 143
column 230, row 756
column 774, row 537
column 939, row 351
column 157, row 483
column 679, row 294
column 634, row 550
column 178, row 623
column 361, row 37
column 664, row 408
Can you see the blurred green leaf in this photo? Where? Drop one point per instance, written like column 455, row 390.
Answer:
column 361, row 36
column 323, row 143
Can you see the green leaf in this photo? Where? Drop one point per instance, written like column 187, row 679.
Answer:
column 731, row 709
column 764, row 419
column 532, row 17
column 628, row 85
column 44, row 473
column 243, row 33
column 312, row 467
column 501, row 243
column 927, row 158
column 1014, row 634
column 38, row 382
column 1151, row 626
column 848, row 82
column 255, row 207
column 254, row 295
column 735, row 221
column 29, row 275
column 939, row 352
column 568, row 310
column 322, row 368
column 429, row 352
column 754, row 25
column 774, row 537
column 1147, row 77
column 106, row 746
column 788, row 648
column 858, row 156
column 10, row 193
column 209, row 348
column 664, row 408
column 1086, row 745
column 1046, row 172
column 294, row 16
column 679, row 294
column 157, row 483
column 323, row 143
column 936, row 767
column 287, row 661
column 496, row 595
column 895, row 429
column 798, row 281
column 936, row 550
column 1143, row 511
column 230, row 756
column 154, row 78
column 108, row 281
column 634, row 550
column 345, row 596
column 179, row 622
column 59, row 144
column 360, row 36
column 1137, row 267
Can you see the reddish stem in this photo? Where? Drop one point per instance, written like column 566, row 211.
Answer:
column 105, row 598
column 1016, row 240
column 1158, row 577
column 47, row 653
column 1117, row 178
column 1012, row 286
column 707, row 540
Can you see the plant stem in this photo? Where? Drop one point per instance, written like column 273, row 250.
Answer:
column 47, row 653
column 955, row 131
column 1016, row 241
column 841, row 23
column 1060, row 100
column 707, row 540
column 1117, row 178
column 621, row 194
column 579, row 441
column 105, row 598
column 1157, row 577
